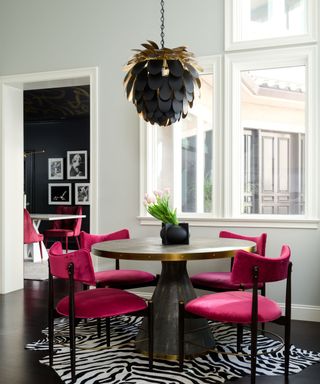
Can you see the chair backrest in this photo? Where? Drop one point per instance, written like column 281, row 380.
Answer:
column 259, row 240
column 74, row 224
column 30, row 235
column 81, row 259
column 270, row 269
column 87, row 239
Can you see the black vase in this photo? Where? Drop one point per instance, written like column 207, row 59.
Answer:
column 175, row 234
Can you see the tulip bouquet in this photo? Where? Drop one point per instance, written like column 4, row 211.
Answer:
column 157, row 204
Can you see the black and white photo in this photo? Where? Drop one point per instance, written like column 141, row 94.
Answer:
column 82, row 193
column 55, row 169
column 59, row 194
column 77, row 164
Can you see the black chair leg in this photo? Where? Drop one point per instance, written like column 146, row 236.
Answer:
column 150, row 333
column 72, row 348
column 239, row 336
column 99, row 327
column 181, row 335
column 108, row 331
column 50, row 336
column 40, row 250
column 286, row 348
column 254, row 335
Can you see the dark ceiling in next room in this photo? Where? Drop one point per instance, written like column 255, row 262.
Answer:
column 57, row 103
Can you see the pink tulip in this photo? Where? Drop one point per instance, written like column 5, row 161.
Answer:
column 150, row 198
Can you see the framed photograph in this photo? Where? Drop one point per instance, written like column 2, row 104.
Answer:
column 82, row 193
column 55, row 169
column 59, row 194
column 77, row 165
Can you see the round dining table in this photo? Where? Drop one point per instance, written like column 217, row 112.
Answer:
column 173, row 286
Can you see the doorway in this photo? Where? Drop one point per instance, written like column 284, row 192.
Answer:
column 11, row 202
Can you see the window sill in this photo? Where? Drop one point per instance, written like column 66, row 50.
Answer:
column 261, row 222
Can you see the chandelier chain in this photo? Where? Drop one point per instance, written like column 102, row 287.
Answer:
column 162, row 23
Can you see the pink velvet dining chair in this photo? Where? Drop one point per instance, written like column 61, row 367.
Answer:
column 102, row 303
column 243, row 307
column 221, row 281
column 63, row 229
column 30, row 235
column 116, row 278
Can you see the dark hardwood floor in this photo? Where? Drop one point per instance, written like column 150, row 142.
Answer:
column 23, row 314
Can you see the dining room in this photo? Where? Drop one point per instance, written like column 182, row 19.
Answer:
column 56, row 132
column 234, row 148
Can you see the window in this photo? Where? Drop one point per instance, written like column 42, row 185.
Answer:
column 261, row 23
column 181, row 157
column 272, row 133
column 249, row 158
column 272, row 106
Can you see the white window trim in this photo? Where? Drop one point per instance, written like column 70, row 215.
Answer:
column 232, row 29
column 234, row 64
column 252, row 222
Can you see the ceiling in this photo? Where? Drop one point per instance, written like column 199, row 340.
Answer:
column 57, row 103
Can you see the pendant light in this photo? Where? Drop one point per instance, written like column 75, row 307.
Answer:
column 161, row 82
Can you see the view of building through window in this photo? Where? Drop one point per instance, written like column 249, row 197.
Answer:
column 273, row 123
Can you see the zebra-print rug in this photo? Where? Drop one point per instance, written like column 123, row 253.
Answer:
column 122, row 364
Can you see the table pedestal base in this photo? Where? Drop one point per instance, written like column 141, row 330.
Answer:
column 174, row 285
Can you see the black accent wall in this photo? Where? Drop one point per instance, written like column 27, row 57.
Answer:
column 55, row 138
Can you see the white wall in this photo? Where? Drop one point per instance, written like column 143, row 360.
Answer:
column 46, row 35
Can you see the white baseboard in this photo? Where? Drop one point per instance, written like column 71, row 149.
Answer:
column 299, row 311
column 304, row 312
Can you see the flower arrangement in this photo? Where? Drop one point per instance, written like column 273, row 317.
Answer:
column 157, row 204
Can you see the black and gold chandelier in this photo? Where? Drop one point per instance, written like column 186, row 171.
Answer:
column 161, row 82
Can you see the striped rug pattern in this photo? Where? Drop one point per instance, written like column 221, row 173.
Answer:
column 122, row 364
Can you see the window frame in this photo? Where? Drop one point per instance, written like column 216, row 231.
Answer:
column 234, row 64
column 232, row 29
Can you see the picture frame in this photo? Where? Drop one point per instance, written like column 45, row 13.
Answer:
column 82, row 194
column 59, row 194
column 55, row 168
column 77, row 165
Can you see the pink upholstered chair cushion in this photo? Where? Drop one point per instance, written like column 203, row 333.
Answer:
column 123, row 277
column 30, row 234
column 72, row 224
column 59, row 233
column 233, row 307
column 270, row 269
column 87, row 239
column 218, row 280
column 115, row 302
column 81, row 259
